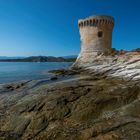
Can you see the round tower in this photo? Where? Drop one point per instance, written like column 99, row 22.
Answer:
column 96, row 36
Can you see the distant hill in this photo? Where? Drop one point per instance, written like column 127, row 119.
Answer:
column 71, row 56
column 38, row 59
column 14, row 57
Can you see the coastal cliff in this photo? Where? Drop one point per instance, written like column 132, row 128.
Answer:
column 99, row 101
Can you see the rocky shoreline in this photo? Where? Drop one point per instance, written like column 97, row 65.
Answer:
column 90, row 104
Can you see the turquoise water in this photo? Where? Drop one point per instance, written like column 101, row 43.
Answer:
column 16, row 71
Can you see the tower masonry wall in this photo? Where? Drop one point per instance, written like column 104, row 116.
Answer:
column 95, row 36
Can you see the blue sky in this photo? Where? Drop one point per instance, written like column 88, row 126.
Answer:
column 49, row 27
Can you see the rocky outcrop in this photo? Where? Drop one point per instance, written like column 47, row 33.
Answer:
column 126, row 66
column 101, row 102
column 64, row 72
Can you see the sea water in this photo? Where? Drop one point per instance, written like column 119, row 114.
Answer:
column 16, row 71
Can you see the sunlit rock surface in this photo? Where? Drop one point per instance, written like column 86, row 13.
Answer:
column 125, row 66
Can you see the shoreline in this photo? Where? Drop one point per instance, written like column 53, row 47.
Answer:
column 56, row 75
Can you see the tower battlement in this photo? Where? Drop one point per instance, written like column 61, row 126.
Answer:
column 96, row 21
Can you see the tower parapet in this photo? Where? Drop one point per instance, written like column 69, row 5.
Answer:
column 95, row 36
column 96, row 21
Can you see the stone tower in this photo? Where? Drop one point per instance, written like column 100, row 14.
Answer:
column 96, row 37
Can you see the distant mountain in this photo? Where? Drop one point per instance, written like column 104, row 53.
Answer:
column 38, row 59
column 15, row 57
column 70, row 56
